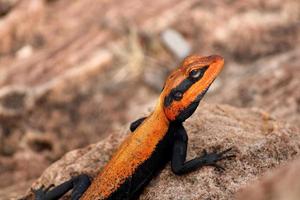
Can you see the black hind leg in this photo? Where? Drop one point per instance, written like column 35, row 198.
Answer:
column 79, row 184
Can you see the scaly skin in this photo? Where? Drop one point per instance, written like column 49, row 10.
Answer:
column 156, row 139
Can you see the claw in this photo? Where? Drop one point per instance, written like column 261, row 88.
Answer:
column 229, row 156
column 224, row 152
column 225, row 157
column 41, row 191
column 48, row 188
column 212, row 158
column 219, row 167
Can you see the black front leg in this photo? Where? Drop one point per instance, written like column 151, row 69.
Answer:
column 136, row 123
column 79, row 184
column 178, row 162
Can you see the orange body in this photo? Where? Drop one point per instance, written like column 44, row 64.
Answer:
column 139, row 146
column 133, row 151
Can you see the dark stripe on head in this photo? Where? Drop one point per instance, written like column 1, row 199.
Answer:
column 188, row 111
column 183, row 87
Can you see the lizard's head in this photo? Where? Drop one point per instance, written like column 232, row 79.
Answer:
column 186, row 86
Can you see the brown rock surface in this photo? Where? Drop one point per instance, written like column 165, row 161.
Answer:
column 63, row 63
column 271, row 83
column 259, row 142
column 280, row 184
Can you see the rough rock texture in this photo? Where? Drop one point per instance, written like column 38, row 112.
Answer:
column 281, row 184
column 64, row 62
column 259, row 142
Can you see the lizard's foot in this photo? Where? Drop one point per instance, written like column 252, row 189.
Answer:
column 211, row 159
column 79, row 184
column 41, row 192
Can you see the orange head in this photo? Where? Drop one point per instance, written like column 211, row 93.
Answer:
column 186, row 86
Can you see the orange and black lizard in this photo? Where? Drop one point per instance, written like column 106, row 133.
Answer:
column 155, row 140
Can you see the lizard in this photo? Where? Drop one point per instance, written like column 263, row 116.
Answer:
column 155, row 140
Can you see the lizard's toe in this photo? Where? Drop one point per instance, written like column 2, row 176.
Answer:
column 211, row 159
column 40, row 193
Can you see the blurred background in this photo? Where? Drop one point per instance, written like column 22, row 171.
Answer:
column 73, row 71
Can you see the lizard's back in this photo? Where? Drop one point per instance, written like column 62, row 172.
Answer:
column 135, row 162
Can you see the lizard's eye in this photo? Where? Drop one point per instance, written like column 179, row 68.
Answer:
column 177, row 95
column 197, row 73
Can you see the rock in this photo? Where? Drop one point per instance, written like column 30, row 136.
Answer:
column 19, row 24
column 15, row 101
column 176, row 43
column 242, row 31
column 259, row 142
column 64, row 98
column 6, row 6
column 14, row 191
column 271, row 84
column 18, row 171
column 281, row 184
column 34, row 121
